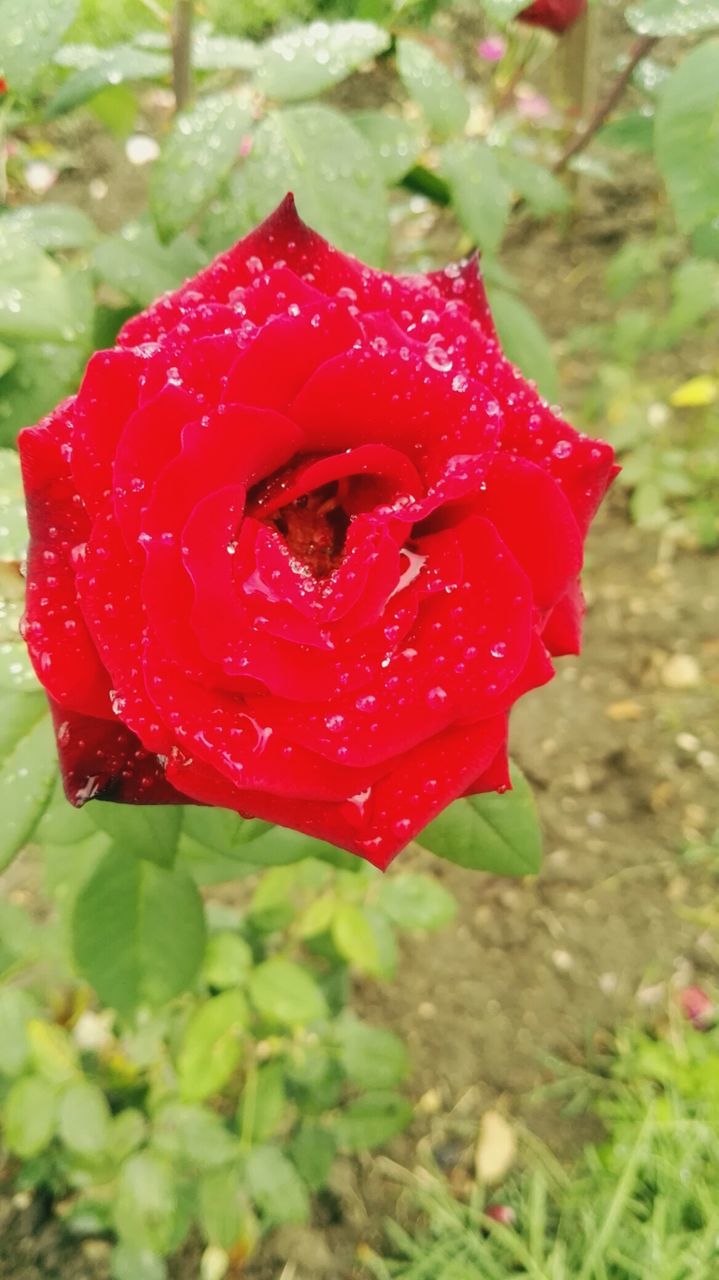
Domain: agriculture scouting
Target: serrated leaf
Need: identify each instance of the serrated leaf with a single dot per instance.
(433, 86)
(524, 341)
(490, 832)
(276, 1187)
(315, 152)
(28, 768)
(416, 901)
(673, 17)
(304, 62)
(138, 932)
(372, 1057)
(103, 67)
(685, 136)
(136, 263)
(142, 831)
(396, 142)
(196, 156)
(283, 992)
(481, 196)
(31, 31)
(212, 1045)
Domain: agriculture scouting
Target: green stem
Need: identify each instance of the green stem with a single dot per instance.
(182, 52)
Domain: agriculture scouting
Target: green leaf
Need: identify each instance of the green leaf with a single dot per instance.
(193, 1136)
(52, 1051)
(263, 1103)
(372, 1120)
(276, 1187)
(84, 1119)
(223, 831)
(433, 86)
(144, 1204)
(313, 1149)
(543, 192)
(53, 226)
(283, 992)
(502, 10)
(144, 831)
(372, 1057)
(354, 938)
(29, 1116)
(304, 62)
(396, 142)
(686, 138)
(490, 832)
(7, 359)
(635, 131)
(13, 521)
(343, 197)
(17, 1007)
(196, 156)
(212, 1045)
(225, 1215)
(524, 341)
(102, 67)
(416, 901)
(228, 960)
(223, 53)
(673, 17)
(135, 262)
(37, 299)
(42, 375)
(138, 932)
(481, 196)
(28, 768)
(31, 32)
(128, 1263)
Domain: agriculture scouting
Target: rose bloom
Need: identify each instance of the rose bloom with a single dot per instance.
(298, 544)
(554, 15)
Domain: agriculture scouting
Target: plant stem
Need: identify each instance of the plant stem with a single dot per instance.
(604, 108)
(182, 52)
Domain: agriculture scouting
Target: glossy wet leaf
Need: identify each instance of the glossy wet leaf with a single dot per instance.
(524, 340)
(141, 831)
(372, 1057)
(283, 992)
(686, 136)
(137, 264)
(433, 86)
(28, 769)
(481, 195)
(276, 1187)
(491, 832)
(198, 153)
(29, 1116)
(416, 901)
(13, 521)
(372, 1120)
(138, 932)
(84, 1118)
(42, 374)
(396, 142)
(53, 226)
(212, 1045)
(99, 68)
(304, 62)
(316, 153)
(37, 300)
(673, 17)
(223, 53)
(31, 31)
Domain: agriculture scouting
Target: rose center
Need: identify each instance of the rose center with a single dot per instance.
(315, 526)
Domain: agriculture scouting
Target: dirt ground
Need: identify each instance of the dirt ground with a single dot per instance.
(623, 751)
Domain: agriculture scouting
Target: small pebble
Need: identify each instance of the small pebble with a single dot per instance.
(681, 671)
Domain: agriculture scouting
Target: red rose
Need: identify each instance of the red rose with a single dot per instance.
(3, 86)
(555, 15)
(298, 544)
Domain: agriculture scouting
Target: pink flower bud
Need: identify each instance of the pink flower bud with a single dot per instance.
(492, 49)
(502, 1213)
(697, 1007)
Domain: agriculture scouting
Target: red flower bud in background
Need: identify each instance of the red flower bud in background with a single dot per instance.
(553, 15)
(697, 1007)
(502, 1213)
(3, 86)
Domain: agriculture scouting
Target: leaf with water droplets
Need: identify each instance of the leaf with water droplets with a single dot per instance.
(433, 86)
(223, 53)
(490, 832)
(316, 153)
(304, 62)
(396, 142)
(28, 768)
(42, 375)
(138, 932)
(480, 193)
(31, 31)
(53, 226)
(135, 263)
(196, 156)
(13, 521)
(98, 68)
(686, 145)
(524, 340)
(37, 300)
(673, 17)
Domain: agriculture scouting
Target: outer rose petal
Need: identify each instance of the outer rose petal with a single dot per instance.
(562, 632)
(103, 760)
(462, 282)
